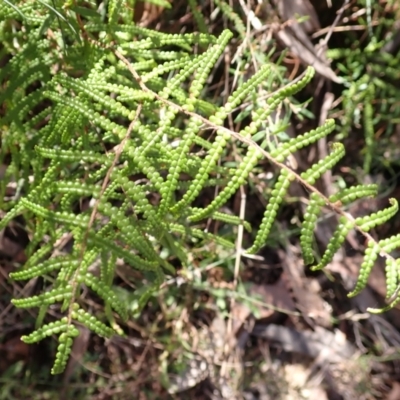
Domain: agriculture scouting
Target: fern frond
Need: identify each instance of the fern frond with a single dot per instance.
(378, 218)
(246, 166)
(371, 254)
(52, 328)
(313, 173)
(277, 194)
(61, 217)
(229, 219)
(105, 292)
(179, 158)
(335, 242)
(43, 268)
(64, 349)
(15, 211)
(348, 195)
(92, 323)
(274, 101)
(368, 116)
(297, 143)
(73, 155)
(114, 193)
(311, 215)
(220, 142)
(392, 272)
(51, 297)
(231, 14)
(137, 262)
(198, 16)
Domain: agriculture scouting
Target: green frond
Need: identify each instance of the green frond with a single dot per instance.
(206, 64)
(233, 16)
(370, 256)
(390, 244)
(271, 212)
(309, 223)
(107, 267)
(61, 217)
(114, 7)
(136, 194)
(91, 92)
(335, 242)
(198, 233)
(106, 293)
(64, 349)
(52, 328)
(368, 117)
(378, 218)
(15, 211)
(47, 298)
(92, 323)
(196, 63)
(297, 143)
(198, 16)
(180, 156)
(73, 156)
(6, 12)
(178, 161)
(229, 219)
(162, 69)
(119, 198)
(137, 262)
(295, 87)
(239, 178)
(316, 204)
(384, 309)
(236, 98)
(88, 112)
(77, 189)
(36, 259)
(45, 267)
(316, 170)
(392, 272)
(207, 165)
(261, 115)
(220, 141)
(209, 237)
(348, 195)
(129, 229)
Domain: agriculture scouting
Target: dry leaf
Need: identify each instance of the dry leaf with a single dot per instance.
(308, 300)
(321, 343)
(277, 296)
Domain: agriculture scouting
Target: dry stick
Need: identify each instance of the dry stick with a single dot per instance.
(251, 142)
(239, 241)
(118, 151)
(333, 26)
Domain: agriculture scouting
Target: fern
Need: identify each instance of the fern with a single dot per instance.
(122, 132)
(370, 72)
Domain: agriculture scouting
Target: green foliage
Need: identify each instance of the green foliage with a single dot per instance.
(113, 148)
(370, 72)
